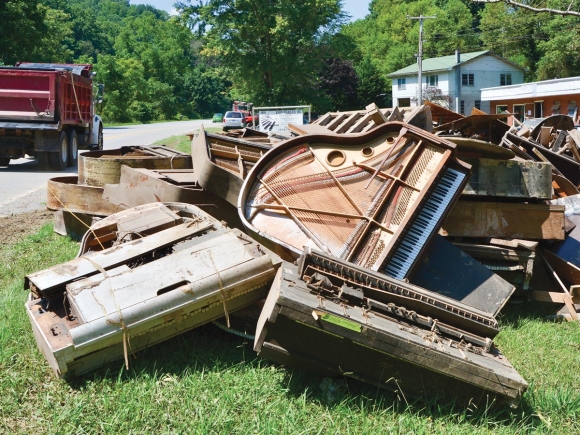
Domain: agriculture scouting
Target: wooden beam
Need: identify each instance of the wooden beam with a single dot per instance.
(376, 114)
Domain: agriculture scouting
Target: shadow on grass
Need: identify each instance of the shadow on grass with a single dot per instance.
(209, 349)
(519, 315)
(350, 392)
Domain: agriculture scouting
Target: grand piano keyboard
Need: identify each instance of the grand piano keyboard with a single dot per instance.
(423, 224)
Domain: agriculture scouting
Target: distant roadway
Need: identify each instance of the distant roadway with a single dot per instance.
(22, 179)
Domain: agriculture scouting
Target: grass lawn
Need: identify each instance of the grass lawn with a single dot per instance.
(181, 142)
(207, 381)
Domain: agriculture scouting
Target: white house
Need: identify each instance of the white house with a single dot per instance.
(460, 76)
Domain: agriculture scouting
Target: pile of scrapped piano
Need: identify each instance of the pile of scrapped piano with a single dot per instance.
(378, 244)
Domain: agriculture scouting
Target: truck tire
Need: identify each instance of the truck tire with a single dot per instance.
(4, 161)
(59, 160)
(73, 148)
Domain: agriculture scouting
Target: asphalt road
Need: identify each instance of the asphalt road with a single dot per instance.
(23, 185)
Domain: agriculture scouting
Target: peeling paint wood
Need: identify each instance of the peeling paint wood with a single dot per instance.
(505, 220)
(73, 348)
(102, 296)
(143, 186)
(509, 178)
(54, 279)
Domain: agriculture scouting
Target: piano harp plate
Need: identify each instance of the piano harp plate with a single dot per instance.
(311, 191)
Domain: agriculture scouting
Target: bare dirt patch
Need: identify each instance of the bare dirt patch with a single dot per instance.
(14, 228)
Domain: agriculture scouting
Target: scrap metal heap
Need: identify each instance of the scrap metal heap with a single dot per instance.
(384, 242)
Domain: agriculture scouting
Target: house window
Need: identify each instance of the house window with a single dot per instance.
(401, 84)
(556, 108)
(404, 102)
(462, 107)
(432, 80)
(478, 104)
(467, 79)
(572, 109)
(505, 79)
(500, 109)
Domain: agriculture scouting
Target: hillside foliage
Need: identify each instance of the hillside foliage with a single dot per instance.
(280, 52)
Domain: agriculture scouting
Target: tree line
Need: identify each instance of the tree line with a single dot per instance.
(271, 52)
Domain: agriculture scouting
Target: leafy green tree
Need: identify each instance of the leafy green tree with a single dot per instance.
(126, 93)
(372, 85)
(56, 44)
(22, 26)
(559, 50)
(513, 34)
(269, 50)
(339, 81)
(391, 40)
(207, 91)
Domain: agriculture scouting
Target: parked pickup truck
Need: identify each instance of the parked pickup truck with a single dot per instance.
(47, 112)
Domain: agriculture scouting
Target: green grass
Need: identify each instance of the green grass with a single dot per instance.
(181, 142)
(207, 381)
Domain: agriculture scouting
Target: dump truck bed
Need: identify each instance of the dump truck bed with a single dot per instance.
(40, 93)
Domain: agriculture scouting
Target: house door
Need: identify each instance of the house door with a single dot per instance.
(538, 112)
(520, 112)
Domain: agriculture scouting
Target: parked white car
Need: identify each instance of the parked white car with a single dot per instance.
(234, 120)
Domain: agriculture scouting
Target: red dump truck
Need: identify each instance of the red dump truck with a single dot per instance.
(47, 112)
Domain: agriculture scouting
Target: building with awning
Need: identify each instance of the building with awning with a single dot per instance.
(536, 99)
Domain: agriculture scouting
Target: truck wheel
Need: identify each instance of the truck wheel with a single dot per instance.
(43, 160)
(4, 161)
(73, 148)
(100, 138)
(59, 160)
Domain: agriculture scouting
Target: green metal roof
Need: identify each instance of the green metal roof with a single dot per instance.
(441, 63)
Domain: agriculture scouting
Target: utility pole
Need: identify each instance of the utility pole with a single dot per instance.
(420, 56)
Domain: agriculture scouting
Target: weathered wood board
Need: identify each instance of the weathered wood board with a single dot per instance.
(505, 220)
(143, 186)
(509, 179)
(330, 337)
(64, 193)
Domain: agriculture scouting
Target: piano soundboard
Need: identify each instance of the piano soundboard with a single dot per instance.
(373, 199)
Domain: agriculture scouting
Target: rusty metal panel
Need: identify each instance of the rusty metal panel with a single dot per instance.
(64, 193)
(97, 168)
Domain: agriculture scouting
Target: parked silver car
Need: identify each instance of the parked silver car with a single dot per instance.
(234, 120)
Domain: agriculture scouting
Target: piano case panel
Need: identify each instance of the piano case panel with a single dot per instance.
(129, 307)
(303, 329)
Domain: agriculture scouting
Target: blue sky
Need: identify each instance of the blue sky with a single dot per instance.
(356, 8)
